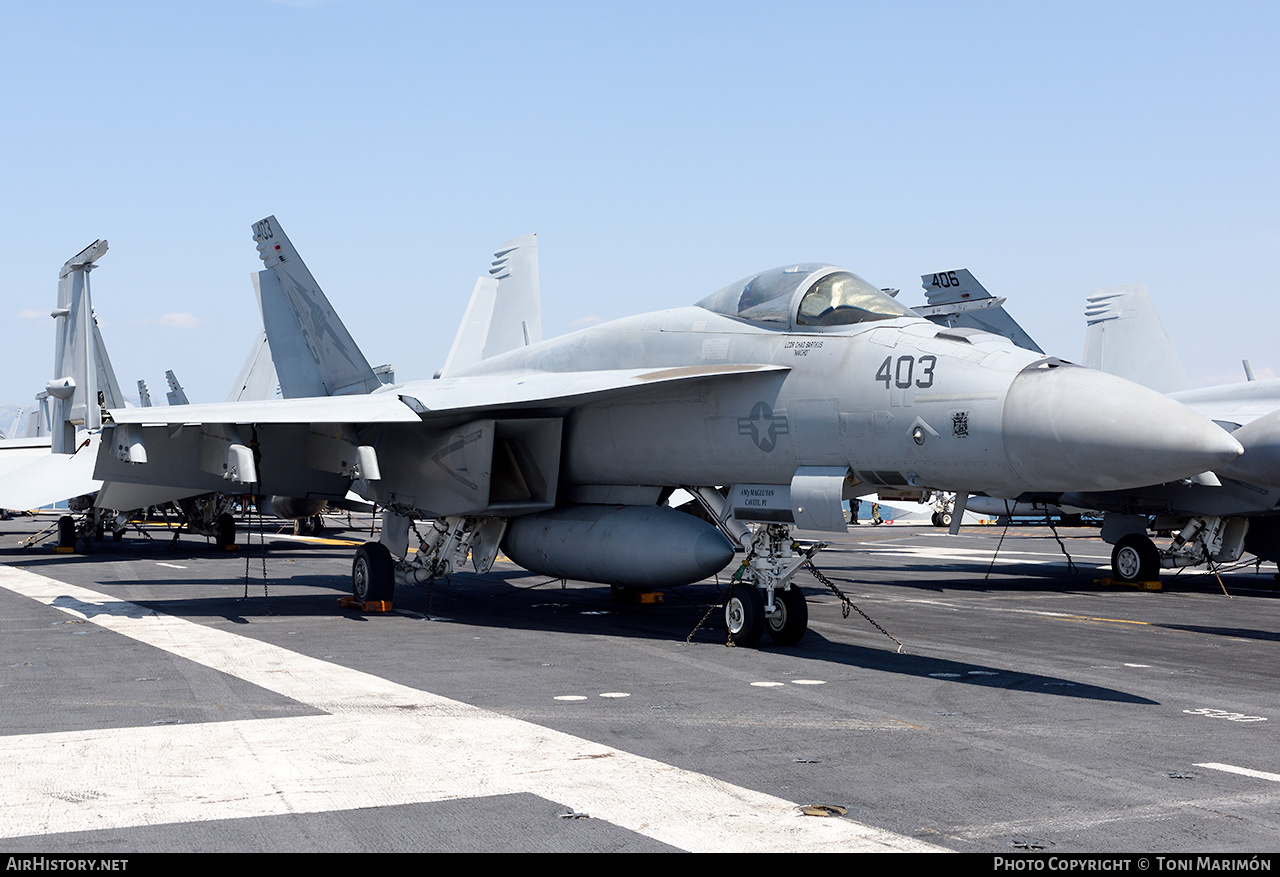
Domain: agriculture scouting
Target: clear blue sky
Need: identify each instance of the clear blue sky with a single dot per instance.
(660, 150)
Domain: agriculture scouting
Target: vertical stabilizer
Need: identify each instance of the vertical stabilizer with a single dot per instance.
(505, 311)
(107, 384)
(1126, 338)
(176, 395)
(468, 344)
(73, 392)
(957, 300)
(257, 378)
(313, 352)
(517, 313)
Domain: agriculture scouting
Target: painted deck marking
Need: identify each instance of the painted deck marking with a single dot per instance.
(1243, 771)
(430, 748)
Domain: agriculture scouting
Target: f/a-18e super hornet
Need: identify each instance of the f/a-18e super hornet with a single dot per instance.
(769, 400)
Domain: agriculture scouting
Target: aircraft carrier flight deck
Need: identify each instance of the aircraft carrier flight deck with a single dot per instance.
(162, 697)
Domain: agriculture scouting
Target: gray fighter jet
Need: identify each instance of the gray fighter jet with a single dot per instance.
(770, 400)
(1215, 516)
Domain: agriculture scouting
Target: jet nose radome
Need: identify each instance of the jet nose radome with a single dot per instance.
(1068, 428)
(1261, 461)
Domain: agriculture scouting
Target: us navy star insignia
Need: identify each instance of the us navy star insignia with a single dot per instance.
(763, 426)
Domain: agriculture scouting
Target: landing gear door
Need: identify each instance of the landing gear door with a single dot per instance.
(813, 500)
(816, 498)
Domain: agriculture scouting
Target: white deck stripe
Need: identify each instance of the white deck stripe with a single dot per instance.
(380, 744)
(1243, 771)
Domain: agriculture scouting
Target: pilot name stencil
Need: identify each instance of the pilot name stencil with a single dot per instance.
(800, 348)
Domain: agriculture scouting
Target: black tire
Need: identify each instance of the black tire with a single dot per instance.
(66, 532)
(226, 530)
(936, 519)
(373, 573)
(744, 615)
(788, 624)
(1135, 559)
(317, 525)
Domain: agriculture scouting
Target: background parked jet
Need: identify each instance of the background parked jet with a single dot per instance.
(54, 463)
(1216, 515)
(56, 459)
(789, 386)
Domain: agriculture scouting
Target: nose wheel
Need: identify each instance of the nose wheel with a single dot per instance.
(748, 620)
(744, 615)
(790, 617)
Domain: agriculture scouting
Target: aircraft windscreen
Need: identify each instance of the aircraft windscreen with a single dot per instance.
(764, 296)
(842, 299)
(838, 299)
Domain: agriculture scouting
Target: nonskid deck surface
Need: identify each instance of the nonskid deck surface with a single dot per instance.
(148, 706)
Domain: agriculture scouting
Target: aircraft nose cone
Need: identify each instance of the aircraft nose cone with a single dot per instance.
(1068, 425)
(1261, 461)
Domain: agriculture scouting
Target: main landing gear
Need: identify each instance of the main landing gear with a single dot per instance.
(442, 550)
(373, 574)
(764, 598)
(1136, 558)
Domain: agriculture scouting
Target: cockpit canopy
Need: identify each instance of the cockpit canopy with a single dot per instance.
(805, 295)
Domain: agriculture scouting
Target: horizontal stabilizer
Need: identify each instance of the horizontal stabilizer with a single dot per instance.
(118, 495)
